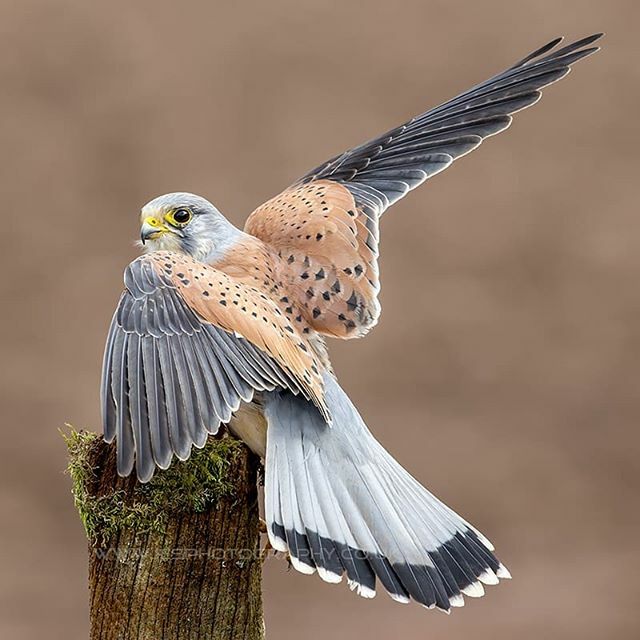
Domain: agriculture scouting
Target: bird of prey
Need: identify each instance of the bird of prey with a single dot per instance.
(218, 325)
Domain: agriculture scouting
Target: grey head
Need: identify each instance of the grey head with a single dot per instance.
(186, 223)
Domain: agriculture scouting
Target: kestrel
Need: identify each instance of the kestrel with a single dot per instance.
(222, 326)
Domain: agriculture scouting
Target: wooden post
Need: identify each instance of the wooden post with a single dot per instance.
(177, 558)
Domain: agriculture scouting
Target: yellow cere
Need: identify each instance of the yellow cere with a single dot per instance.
(153, 222)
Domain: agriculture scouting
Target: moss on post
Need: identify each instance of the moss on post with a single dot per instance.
(177, 557)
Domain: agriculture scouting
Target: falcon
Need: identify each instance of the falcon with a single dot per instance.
(222, 326)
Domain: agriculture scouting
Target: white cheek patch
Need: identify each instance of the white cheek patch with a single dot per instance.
(164, 242)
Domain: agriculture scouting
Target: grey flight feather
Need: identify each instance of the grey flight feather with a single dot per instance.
(383, 170)
(339, 503)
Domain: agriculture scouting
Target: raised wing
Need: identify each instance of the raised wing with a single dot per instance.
(187, 345)
(327, 222)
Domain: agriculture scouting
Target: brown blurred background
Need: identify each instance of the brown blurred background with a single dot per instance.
(511, 390)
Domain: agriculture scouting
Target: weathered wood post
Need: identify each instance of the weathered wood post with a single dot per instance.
(178, 557)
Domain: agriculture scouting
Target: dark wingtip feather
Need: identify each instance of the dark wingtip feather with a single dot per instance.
(539, 52)
(538, 55)
(579, 44)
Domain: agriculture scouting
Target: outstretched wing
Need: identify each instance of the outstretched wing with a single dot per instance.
(326, 225)
(187, 345)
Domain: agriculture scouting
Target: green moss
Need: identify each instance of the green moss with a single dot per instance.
(194, 485)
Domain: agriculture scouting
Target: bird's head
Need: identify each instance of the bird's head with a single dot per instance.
(185, 223)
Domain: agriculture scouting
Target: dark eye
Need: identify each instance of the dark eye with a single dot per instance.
(182, 216)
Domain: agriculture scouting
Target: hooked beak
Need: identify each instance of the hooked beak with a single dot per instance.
(152, 228)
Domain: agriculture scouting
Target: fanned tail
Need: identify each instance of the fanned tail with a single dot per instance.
(339, 503)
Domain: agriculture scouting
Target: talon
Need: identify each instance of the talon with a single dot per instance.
(262, 525)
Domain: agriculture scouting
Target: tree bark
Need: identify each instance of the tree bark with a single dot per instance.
(177, 558)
